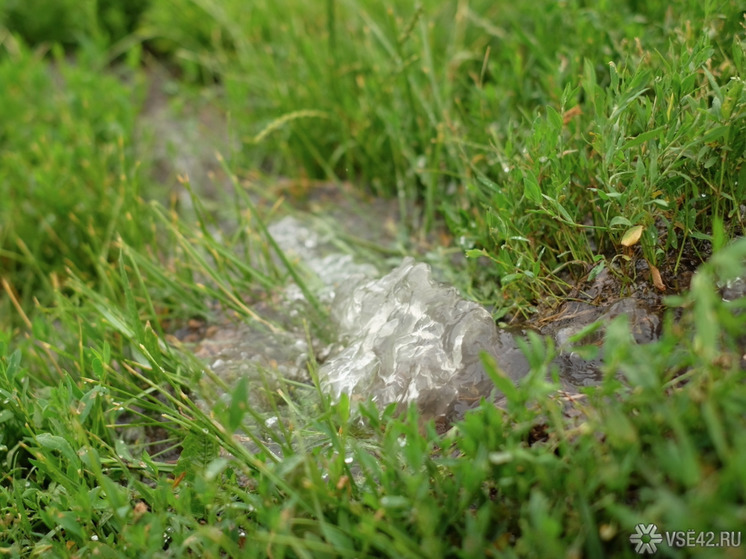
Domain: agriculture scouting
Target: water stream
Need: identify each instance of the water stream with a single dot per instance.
(399, 336)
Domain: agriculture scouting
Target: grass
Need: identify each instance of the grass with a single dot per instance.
(626, 123)
(544, 159)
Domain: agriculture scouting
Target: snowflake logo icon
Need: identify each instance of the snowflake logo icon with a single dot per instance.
(646, 538)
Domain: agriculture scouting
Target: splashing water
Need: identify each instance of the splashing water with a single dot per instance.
(410, 339)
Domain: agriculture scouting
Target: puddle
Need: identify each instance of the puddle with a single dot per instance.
(733, 289)
(600, 300)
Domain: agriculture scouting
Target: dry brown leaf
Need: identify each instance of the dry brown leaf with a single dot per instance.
(657, 280)
(569, 114)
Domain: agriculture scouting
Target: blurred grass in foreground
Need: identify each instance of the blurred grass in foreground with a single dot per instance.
(546, 135)
(657, 441)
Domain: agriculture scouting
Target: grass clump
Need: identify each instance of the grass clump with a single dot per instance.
(69, 23)
(655, 443)
(542, 155)
(69, 179)
(543, 158)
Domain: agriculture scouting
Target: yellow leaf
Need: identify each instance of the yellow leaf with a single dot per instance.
(632, 235)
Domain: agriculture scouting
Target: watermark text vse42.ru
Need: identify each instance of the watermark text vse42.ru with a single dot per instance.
(646, 539)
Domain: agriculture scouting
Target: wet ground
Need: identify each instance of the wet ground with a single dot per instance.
(400, 336)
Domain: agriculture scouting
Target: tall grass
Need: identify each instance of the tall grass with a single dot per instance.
(542, 133)
(69, 179)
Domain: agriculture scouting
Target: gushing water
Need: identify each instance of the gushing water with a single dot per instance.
(410, 339)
